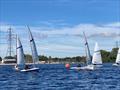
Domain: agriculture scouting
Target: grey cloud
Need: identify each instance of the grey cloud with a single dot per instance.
(112, 35)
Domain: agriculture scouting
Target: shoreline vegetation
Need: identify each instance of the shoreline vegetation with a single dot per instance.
(107, 56)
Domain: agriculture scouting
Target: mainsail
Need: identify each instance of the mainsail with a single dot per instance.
(20, 53)
(97, 59)
(88, 55)
(33, 48)
(118, 57)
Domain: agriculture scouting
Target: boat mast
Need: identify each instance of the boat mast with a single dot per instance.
(88, 55)
(33, 48)
(16, 46)
(31, 40)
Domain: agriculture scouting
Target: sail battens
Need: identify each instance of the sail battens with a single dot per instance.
(19, 47)
(86, 43)
(31, 40)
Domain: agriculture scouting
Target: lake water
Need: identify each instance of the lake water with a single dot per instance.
(56, 77)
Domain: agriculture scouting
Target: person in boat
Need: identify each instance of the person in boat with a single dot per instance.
(118, 63)
(27, 67)
(78, 65)
(16, 67)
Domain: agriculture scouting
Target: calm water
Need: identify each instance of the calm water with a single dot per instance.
(56, 77)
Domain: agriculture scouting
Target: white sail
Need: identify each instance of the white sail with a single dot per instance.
(97, 59)
(20, 53)
(33, 48)
(118, 56)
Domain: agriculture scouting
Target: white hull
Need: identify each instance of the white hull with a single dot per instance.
(75, 68)
(115, 64)
(29, 70)
(88, 67)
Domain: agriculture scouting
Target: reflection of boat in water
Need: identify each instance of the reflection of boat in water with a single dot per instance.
(117, 62)
(21, 66)
(96, 61)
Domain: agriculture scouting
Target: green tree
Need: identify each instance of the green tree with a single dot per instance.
(28, 58)
(105, 56)
(43, 58)
(113, 54)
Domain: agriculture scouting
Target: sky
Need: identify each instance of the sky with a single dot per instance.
(58, 25)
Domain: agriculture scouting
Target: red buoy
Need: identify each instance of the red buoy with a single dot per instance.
(67, 66)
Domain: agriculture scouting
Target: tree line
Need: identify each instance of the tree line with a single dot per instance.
(107, 56)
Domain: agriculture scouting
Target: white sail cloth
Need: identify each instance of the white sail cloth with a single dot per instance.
(118, 57)
(33, 48)
(20, 53)
(97, 59)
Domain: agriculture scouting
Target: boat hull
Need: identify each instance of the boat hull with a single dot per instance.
(115, 64)
(88, 67)
(30, 70)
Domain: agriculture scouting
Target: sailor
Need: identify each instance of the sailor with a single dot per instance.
(78, 65)
(16, 67)
(27, 67)
(117, 63)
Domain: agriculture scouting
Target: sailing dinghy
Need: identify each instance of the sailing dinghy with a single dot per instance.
(88, 55)
(33, 50)
(21, 66)
(117, 62)
(96, 60)
(20, 56)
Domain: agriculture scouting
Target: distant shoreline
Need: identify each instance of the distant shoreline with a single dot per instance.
(3, 64)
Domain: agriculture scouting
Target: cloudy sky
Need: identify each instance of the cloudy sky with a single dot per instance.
(58, 25)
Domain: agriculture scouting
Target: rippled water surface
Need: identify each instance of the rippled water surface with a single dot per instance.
(56, 77)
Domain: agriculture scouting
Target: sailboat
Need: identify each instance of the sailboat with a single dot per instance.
(96, 60)
(33, 50)
(20, 56)
(88, 55)
(87, 50)
(117, 62)
(21, 59)
(21, 66)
